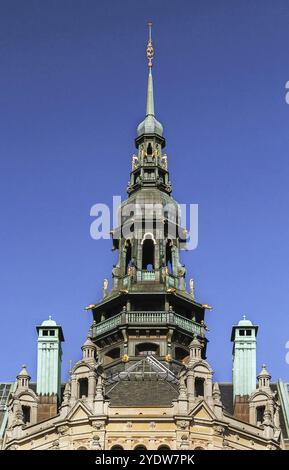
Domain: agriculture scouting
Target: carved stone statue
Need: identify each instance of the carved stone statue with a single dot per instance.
(105, 287)
(192, 288)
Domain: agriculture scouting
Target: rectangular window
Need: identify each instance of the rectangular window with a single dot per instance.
(248, 332)
(52, 333)
(45, 333)
(242, 332)
(26, 414)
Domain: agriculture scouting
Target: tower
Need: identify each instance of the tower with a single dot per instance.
(49, 353)
(244, 357)
(148, 311)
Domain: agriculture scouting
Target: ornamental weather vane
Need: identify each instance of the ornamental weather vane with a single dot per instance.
(150, 50)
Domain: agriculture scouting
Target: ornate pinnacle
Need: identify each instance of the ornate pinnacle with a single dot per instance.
(150, 50)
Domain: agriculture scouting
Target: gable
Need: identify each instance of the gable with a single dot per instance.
(79, 412)
(203, 411)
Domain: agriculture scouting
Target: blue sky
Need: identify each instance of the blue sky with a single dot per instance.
(72, 91)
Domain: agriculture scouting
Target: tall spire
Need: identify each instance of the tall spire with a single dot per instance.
(150, 125)
(150, 92)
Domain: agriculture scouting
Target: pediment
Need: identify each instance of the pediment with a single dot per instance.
(203, 411)
(79, 412)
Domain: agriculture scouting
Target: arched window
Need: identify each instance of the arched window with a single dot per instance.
(127, 256)
(199, 448)
(83, 387)
(148, 254)
(181, 354)
(164, 447)
(81, 448)
(147, 349)
(116, 447)
(169, 256)
(199, 387)
(26, 414)
(149, 149)
(140, 447)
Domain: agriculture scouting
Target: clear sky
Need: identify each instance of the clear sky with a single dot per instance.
(72, 91)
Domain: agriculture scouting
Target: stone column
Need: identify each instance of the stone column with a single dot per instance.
(91, 385)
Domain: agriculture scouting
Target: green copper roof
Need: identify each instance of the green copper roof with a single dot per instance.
(150, 125)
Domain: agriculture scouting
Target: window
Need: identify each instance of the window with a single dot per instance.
(116, 447)
(147, 349)
(164, 447)
(248, 332)
(149, 149)
(148, 254)
(45, 333)
(140, 447)
(260, 415)
(242, 332)
(26, 414)
(199, 387)
(83, 387)
(169, 256)
(127, 256)
(52, 333)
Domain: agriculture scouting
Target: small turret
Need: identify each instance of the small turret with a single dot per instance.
(264, 379)
(23, 379)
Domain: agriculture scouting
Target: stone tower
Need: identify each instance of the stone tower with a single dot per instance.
(244, 357)
(49, 353)
(148, 310)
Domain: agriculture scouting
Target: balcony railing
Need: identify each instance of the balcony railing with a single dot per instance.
(146, 275)
(107, 325)
(148, 318)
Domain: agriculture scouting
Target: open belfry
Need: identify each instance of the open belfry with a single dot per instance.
(144, 380)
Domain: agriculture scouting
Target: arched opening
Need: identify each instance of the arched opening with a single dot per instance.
(26, 414)
(164, 447)
(111, 355)
(147, 349)
(199, 448)
(199, 387)
(83, 387)
(140, 447)
(181, 354)
(127, 256)
(116, 447)
(148, 254)
(149, 149)
(260, 415)
(81, 448)
(169, 256)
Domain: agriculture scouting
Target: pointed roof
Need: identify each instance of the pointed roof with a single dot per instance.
(150, 125)
(264, 372)
(23, 373)
(88, 343)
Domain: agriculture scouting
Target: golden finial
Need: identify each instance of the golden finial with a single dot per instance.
(150, 50)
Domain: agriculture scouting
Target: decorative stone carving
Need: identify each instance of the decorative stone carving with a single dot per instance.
(63, 430)
(219, 430)
(97, 425)
(95, 444)
(183, 424)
